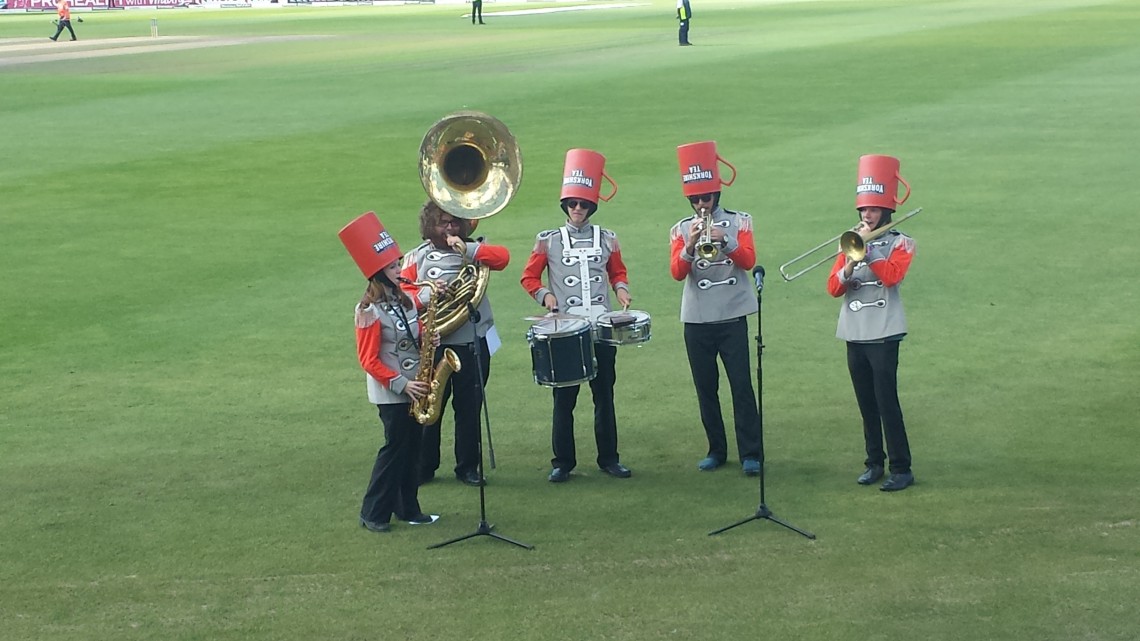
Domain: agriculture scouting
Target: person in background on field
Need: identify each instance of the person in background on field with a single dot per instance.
(684, 14)
(439, 259)
(715, 304)
(582, 262)
(387, 333)
(63, 8)
(477, 10)
(873, 323)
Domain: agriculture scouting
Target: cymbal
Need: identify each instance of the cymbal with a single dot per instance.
(555, 316)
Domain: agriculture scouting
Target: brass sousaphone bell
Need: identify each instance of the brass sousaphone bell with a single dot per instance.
(470, 164)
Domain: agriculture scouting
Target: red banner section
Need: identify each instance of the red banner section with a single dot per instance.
(49, 5)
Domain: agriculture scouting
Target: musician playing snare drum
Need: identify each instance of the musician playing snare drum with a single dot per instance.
(712, 252)
(582, 262)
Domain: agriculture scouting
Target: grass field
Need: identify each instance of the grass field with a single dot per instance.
(184, 433)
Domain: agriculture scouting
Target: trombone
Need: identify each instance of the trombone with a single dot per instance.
(851, 244)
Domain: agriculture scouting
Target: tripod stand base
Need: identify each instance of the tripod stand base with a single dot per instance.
(763, 512)
(484, 529)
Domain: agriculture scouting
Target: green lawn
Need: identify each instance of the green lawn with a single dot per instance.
(184, 432)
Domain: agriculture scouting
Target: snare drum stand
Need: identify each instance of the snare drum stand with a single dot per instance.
(762, 512)
(484, 528)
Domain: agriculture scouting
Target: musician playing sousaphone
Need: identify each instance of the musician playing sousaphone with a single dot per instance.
(447, 249)
(582, 261)
(872, 320)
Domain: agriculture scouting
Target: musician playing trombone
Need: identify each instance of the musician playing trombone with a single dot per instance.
(582, 261)
(873, 323)
(711, 253)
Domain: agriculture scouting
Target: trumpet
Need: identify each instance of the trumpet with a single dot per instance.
(706, 248)
(851, 244)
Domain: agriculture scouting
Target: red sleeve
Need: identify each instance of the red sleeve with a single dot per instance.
(494, 256)
(745, 255)
(678, 266)
(892, 270)
(532, 274)
(834, 287)
(368, 351)
(616, 270)
(412, 273)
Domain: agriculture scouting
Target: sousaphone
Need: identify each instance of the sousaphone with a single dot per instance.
(470, 165)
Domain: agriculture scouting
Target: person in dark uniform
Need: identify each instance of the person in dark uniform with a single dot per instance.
(477, 9)
(582, 262)
(716, 301)
(873, 323)
(684, 15)
(387, 330)
(447, 247)
(63, 9)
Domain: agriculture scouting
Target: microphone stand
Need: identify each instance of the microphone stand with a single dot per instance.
(484, 528)
(762, 512)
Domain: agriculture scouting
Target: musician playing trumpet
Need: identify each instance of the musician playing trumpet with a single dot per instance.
(387, 332)
(446, 249)
(873, 323)
(717, 298)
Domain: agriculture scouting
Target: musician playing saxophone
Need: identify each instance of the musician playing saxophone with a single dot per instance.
(387, 330)
(446, 249)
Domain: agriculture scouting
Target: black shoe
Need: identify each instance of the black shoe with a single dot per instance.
(74, 39)
(51, 38)
(471, 477)
(617, 469)
(898, 481)
(423, 519)
(870, 475)
(559, 475)
(427, 477)
(375, 527)
(686, 44)
(481, 22)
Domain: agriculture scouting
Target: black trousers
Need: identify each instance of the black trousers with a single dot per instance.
(605, 418)
(394, 484)
(465, 391)
(63, 24)
(476, 8)
(704, 342)
(874, 375)
(683, 33)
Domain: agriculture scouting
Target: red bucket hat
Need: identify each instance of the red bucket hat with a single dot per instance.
(700, 172)
(878, 184)
(582, 176)
(369, 244)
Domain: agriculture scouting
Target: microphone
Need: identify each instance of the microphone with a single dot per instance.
(758, 278)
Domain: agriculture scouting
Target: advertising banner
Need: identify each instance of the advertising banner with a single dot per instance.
(49, 5)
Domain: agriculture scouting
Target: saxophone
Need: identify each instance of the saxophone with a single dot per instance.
(427, 410)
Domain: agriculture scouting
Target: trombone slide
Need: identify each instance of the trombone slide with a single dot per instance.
(853, 245)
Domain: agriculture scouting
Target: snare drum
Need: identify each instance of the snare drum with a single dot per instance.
(562, 352)
(629, 327)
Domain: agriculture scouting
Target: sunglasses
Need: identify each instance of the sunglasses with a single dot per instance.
(700, 198)
(571, 203)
